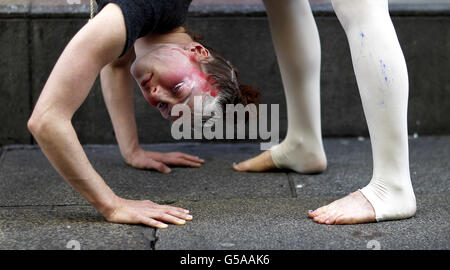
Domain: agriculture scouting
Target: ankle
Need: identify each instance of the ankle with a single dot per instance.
(300, 156)
(391, 200)
(317, 163)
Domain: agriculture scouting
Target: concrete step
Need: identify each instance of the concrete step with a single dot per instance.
(32, 37)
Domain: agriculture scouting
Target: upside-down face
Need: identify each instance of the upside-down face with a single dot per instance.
(170, 74)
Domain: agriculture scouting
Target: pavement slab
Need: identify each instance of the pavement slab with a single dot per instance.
(231, 210)
(69, 227)
(282, 224)
(27, 178)
(350, 167)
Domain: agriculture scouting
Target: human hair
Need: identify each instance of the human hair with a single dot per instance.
(225, 78)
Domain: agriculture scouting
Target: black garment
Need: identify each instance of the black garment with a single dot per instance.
(147, 16)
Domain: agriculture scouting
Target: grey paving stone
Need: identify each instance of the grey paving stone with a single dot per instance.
(62, 228)
(282, 224)
(231, 210)
(429, 159)
(27, 178)
(350, 167)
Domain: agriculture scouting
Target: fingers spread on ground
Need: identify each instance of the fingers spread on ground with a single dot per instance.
(150, 203)
(152, 223)
(181, 162)
(179, 214)
(189, 157)
(188, 163)
(159, 166)
(176, 211)
(169, 207)
(168, 218)
(174, 208)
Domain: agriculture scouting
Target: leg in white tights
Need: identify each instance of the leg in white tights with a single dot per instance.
(297, 45)
(382, 79)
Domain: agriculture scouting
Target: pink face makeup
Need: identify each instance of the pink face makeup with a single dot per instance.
(170, 75)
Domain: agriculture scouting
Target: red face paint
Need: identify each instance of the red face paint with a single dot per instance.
(208, 85)
(151, 101)
(171, 67)
(192, 59)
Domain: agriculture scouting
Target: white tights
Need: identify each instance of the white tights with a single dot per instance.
(382, 79)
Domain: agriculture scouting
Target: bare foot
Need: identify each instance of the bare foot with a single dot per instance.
(352, 209)
(260, 163)
(298, 160)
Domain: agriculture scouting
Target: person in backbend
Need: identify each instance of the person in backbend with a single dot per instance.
(144, 40)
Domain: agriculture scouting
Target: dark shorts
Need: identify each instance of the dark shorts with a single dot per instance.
(148, 16)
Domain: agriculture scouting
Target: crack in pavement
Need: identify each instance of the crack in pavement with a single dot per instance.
(150, 235)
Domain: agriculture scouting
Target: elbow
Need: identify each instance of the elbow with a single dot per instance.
(43, 125)
(35, 124)
(38, 125)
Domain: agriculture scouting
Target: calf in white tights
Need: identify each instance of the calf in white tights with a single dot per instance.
(382, 79)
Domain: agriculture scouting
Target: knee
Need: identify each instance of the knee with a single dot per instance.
(347, 7)
(356, 12)
(345, 10)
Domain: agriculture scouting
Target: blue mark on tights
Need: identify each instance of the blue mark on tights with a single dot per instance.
(383, 71)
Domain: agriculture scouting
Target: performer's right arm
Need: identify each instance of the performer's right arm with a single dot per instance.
(98, 43)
